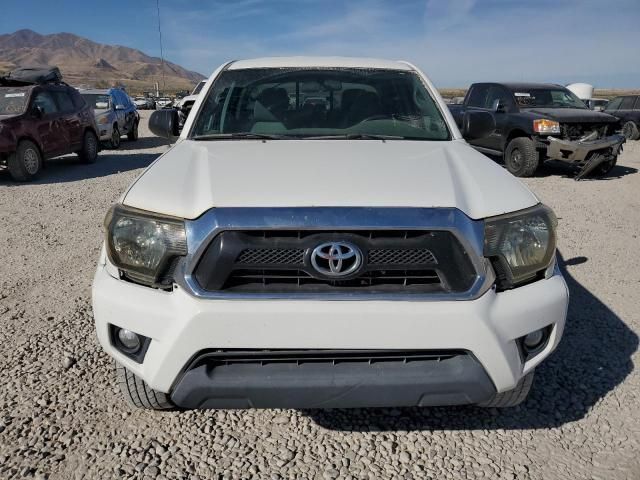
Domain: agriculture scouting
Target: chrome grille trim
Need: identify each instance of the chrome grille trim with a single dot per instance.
(202, 230)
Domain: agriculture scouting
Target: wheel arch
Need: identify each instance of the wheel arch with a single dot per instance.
(513, 133)
(22, 138)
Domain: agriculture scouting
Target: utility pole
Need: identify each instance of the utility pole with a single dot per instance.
(164, 87)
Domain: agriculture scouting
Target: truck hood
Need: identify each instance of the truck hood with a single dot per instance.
(573, 115)
(195, 176)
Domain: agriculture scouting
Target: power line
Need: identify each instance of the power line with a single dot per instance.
(161, 51)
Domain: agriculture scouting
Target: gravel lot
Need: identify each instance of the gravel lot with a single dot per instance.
(62, 417)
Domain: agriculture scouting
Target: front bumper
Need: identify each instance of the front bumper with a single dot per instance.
(182, 326)
(586, 154)
(330, 379)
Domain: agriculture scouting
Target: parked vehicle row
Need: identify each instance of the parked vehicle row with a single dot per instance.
(145, 103)
(627, 109)
(535, 123)
(115, 114)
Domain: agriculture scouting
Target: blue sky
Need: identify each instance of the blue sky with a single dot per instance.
(455, 42)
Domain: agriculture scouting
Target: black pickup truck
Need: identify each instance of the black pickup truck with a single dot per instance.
(537, 122)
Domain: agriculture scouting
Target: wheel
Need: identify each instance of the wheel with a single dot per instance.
(138, 393)
(630, 131)
(89, 152)
(605, 167)
(133, 134)
(521, 157)
(114, 143)
(26, 163)
(513, 397)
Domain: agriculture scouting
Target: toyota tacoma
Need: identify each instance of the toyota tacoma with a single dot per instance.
(319, 236)
(536, 122)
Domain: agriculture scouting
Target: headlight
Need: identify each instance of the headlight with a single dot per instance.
(142, 244)
(521, 245)
(103, 120)
(546, 126)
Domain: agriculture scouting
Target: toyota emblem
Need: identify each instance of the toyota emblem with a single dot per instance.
(336, 259)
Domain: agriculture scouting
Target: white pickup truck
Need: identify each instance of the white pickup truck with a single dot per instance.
(320, 235)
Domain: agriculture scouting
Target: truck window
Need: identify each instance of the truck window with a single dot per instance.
(498, 93)
(627, 103)
(478, 96)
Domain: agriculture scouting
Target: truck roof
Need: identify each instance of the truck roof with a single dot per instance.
(319, 62)
(526, 85)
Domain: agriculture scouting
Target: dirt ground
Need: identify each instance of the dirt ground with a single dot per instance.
(62, 416)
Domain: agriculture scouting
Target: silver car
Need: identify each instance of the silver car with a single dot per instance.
(115, 114)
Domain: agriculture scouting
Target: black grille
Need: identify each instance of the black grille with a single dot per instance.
(275, 261)
(400, 256)
(274, 279)
(575, 131)
(272, 256)
(335, 357)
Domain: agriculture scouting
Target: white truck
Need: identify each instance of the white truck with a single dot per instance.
(354, 252)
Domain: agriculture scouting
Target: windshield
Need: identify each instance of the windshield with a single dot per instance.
(320, 103)
(547, 98)
(13, 101)
(97, 101)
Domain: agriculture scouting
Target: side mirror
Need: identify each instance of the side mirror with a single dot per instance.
(164, 123)
(476, 125)
(498, 106)
(37, 111)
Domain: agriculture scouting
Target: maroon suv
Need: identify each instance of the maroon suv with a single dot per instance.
(41, 121)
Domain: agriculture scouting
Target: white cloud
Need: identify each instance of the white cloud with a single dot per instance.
(456, 42)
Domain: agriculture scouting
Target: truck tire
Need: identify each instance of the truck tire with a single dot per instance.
(513, 397)
(630, 131)
(133, 134)
(89, 151)
(139, 394)
(521, 157)
(26, 164)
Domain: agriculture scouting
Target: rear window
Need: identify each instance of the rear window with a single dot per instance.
(13, 101)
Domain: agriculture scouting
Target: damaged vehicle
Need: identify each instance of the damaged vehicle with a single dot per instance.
(537, 122)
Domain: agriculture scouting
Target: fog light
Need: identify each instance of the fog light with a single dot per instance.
(129, 339)
(534, 339)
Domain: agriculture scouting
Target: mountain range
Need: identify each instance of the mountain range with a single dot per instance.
(87, 63)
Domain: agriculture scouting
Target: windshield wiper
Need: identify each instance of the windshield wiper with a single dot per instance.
(239, 135)
(356, 136)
